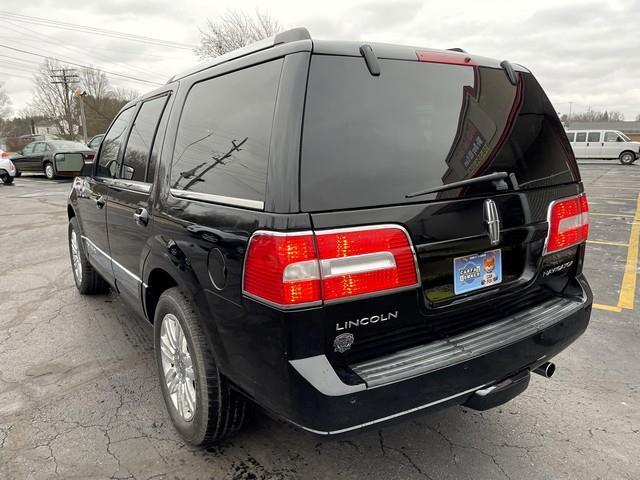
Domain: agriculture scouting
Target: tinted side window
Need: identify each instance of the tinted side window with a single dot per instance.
(40, 148)
(581, 137)
(136, 154)
(108, 161)
(610, 137)
(593, 137)
(571, 136)
(28, 149)
(157, 145)
(222, 145)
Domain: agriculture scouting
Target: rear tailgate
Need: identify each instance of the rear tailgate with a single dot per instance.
(369, 141)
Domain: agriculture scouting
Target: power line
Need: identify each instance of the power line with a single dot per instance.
(95, 31)
(79, 65)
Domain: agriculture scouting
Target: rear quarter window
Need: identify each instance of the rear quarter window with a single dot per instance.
(368, 141)
(222, 144)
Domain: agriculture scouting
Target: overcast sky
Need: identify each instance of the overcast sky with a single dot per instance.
(585, 53)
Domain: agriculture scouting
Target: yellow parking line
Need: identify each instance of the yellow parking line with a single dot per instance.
(613, 244)
(607, 307)
(628, 288)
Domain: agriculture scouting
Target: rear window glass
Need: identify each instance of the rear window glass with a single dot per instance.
(571, 136)
(222, 146)
(369, 140)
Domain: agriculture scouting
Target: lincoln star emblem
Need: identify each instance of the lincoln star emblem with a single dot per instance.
(492, 221)
(343, 342)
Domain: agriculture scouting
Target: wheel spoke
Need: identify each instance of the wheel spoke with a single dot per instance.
(190, 392)
(167, 350)
(171, 377)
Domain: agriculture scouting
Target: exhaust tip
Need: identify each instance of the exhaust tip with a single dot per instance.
(547, 369)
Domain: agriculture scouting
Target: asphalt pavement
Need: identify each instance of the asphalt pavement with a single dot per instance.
(79, 395)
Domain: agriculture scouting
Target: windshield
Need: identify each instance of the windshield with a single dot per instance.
(369, 140)
(624, 137)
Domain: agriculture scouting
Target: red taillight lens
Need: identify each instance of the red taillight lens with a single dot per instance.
(282, 269)
(360, 261)
(308, 268)
(568, 223)
(4, 155)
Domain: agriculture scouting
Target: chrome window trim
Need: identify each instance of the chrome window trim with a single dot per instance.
(218, 199)
(115, 262)
(388, 417)
(131, 185)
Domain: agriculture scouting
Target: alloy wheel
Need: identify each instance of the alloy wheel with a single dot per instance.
(177, 367)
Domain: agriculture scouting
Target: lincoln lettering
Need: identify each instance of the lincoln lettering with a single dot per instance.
(361, 322)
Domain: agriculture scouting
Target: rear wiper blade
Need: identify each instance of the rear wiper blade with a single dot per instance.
(492, 177)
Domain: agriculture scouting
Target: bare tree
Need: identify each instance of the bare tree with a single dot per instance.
(597, 116)
(5, 103)
(235, 29)
(55, 100)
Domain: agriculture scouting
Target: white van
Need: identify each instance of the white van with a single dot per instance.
(604, 144)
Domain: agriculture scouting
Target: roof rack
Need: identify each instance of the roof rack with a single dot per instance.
(457, 49)
(287, 36)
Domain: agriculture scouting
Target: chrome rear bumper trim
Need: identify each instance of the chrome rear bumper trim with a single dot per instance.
(424, 359)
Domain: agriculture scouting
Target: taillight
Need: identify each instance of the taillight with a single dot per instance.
(282, 269)
(293, 270)
(568, 223)
(4, 155)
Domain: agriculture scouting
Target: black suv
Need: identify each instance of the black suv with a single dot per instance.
(341, 233)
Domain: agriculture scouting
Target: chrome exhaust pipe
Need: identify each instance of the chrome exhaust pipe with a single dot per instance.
(547, 369)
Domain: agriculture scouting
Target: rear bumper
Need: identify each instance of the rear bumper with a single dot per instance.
(432, 376)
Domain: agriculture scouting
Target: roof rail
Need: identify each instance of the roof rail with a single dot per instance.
(287, 36)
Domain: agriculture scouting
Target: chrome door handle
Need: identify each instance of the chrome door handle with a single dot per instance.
(100, 203)
(141, 217)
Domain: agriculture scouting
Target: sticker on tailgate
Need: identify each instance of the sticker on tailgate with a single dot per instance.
(477, 271)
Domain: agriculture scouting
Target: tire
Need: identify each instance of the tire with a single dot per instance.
(211, 410)
(49, 172)
(627, 157)
(88, 281)
(7, 179)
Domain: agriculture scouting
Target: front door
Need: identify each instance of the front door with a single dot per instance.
(611, 145)
(594, 146)
(22, 160)
(93, 198)
(129, 215)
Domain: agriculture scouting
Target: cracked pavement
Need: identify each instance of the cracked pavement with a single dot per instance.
(79, 397)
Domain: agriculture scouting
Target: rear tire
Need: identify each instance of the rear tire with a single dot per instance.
(88, 281)
(627, 158)
(202, 405)
(7, 179)
(49, 171)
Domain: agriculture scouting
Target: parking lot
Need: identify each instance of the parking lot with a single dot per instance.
(79, 396)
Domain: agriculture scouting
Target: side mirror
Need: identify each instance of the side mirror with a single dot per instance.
(69, 162)
(619, 139)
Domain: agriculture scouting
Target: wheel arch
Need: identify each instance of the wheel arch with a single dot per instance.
(159, 280)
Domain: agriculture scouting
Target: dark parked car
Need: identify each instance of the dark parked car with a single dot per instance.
(418, 244)
(50, 157)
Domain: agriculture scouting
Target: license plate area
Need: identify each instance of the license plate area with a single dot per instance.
(477, 271)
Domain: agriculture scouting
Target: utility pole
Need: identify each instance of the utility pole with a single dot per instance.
(81, 94)
(570, 108)
(66, 77)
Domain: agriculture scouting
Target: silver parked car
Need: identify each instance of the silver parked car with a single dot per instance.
(7, 168)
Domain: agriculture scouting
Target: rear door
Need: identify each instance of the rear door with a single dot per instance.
(580, 145)
(371, 141)
(594, 145)
(35, 160)
(129, 213)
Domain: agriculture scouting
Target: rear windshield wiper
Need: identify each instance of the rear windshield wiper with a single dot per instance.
(497, 177)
